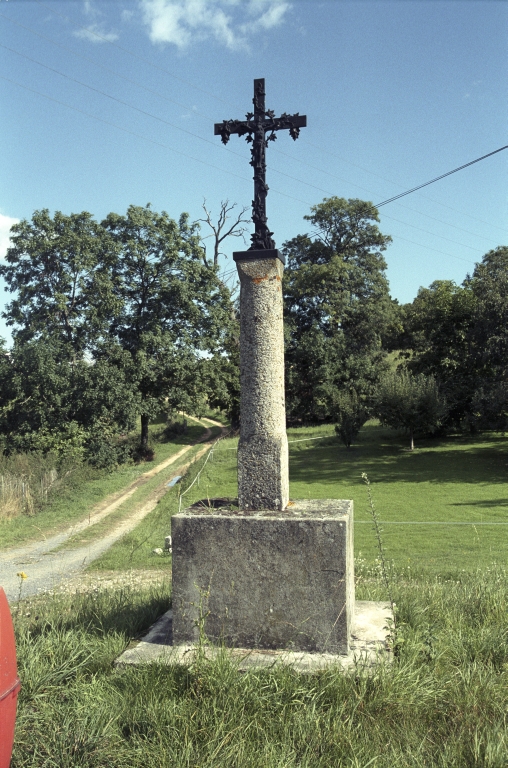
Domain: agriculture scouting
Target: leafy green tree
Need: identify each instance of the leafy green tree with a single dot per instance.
(489, 285)
(458, 334)
(352, 413)
(412, 403)
(59, 269)
(50, 402)
(111, 321)
(170, 310)
(337, 307)
(439, 334)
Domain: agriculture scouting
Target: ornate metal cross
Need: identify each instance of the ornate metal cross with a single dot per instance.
(256, 126)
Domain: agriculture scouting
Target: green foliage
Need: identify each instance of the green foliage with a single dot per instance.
(337, 307)
(489, 285)
(171, 310)
(111, 321)
(58, 268)
(440, 323)
(352, 413)
(222, 374)
(410, 402)
(458, 334)
(52, 403)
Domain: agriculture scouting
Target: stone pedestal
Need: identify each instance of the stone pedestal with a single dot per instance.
(266, 579)
(263, 480)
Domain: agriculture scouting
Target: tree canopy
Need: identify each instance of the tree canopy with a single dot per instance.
(128, 303)
(411, 403)
(337, 307)
(170, 308)
(59, 268)
(459, 335)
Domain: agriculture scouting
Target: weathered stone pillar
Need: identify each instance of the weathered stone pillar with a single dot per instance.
(263, 480)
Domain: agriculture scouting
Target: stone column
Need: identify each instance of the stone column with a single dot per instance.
(263, 480)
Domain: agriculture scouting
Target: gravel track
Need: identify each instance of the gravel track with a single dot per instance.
(47, 569)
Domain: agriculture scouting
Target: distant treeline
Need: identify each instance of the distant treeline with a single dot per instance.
(115, 321)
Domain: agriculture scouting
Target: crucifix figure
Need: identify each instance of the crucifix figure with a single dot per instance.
(263, 476)
(256, 125)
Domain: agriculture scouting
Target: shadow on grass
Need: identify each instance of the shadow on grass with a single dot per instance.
(384, 456)
(481, 503)
(191, 435)
(101, 613)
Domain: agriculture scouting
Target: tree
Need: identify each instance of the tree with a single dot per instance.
(352, 413)
(408, 402)
(439, 327)
(112, 320)
(458, 334)
(50, 402)
(337, 307)
(221, 229)
(170, 311)
(489, 285)
(59, 268)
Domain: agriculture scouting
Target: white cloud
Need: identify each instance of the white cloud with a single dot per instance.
(229, 22)
(89, 9)
(6, 223)
(95, 33)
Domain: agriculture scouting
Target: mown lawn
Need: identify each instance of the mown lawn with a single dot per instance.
(443, 507)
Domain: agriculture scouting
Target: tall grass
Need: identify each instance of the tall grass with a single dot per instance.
(27, 481)
(77, 489)
(442, 702)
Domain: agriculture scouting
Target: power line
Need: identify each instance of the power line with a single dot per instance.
(146, 138)
(213, 143)
(155, 117)
(450, 255)
(114, 98)
(420, 213)
(438, 178)
(131, 53)
(190, 157)
(431, 199)
(102, 66)
(186, 82)
(202, 138)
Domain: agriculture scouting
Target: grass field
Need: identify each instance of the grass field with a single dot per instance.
(441, 703)
(443, 507)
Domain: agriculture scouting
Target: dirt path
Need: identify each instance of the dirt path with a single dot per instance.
(48, 568)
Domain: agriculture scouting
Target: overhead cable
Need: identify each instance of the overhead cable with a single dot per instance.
(460, 168)
(132, 53)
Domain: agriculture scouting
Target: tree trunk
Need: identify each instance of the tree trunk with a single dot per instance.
(411, 440)
(144, 431)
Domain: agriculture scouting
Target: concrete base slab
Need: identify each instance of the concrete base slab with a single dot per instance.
(368, 646)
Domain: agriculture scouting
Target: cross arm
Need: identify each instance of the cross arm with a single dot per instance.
(293, 122)
(226, 128)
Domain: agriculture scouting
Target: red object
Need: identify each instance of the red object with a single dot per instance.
(9, 682)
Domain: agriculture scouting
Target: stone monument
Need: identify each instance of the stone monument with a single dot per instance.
(269, 573)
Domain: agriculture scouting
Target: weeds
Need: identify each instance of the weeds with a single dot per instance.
(442, 703)
(382, 559)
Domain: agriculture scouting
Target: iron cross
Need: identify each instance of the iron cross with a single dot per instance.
(256, 126)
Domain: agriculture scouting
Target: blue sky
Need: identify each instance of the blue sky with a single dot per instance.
(395, 93)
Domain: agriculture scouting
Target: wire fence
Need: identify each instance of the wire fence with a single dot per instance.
(198, 475)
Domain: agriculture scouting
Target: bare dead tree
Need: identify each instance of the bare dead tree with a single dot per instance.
(223, 228)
